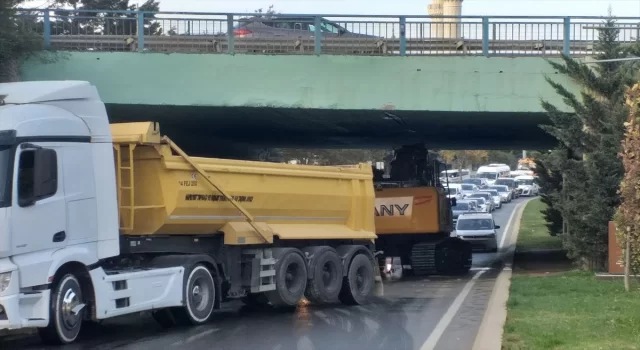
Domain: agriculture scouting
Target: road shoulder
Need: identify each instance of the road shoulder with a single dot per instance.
(489, 336)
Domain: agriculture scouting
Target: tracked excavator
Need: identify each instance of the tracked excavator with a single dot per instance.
(414, 219)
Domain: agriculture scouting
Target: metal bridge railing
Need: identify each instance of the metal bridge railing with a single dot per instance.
(94, 30)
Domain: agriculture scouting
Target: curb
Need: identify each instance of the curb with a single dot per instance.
(490, 333)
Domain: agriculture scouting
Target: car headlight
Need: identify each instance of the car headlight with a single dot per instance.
(5, 280)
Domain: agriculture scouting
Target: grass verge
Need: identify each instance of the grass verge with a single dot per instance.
(534, 234)
(572, 310)
(566, 310)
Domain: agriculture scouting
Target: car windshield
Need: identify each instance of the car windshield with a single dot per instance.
(472, 181)
(500, 188)
(492, 192)
(461, 206)
(475, 224)
(467, 187)
(490, 176)
(505, 182)
(5, 157)
(480, 201)
(329, 27)
(453, 190)
(481, 195)
(525, 182)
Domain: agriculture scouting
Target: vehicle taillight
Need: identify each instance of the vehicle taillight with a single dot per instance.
(241, 32)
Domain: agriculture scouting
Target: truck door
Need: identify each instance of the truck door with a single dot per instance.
(38, 212)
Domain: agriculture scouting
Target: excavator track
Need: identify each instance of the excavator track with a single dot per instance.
(447, 256)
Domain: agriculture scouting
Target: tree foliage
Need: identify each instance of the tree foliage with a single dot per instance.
(326, 156)
(16, 40)
(551, 187)
(589, 139)
(628, 213)
(469, 159)
(78, 22)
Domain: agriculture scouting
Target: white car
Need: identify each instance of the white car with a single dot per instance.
(455, 192)
(528, 185)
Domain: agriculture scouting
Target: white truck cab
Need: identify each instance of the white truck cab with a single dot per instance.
(59, 214)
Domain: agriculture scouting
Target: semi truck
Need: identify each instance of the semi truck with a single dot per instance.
(101, 220)
(414, 220)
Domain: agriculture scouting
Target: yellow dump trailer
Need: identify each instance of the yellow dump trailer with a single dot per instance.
(269, 228)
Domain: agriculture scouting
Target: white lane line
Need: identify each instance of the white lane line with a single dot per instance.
(448, 316)
(446, 319)
(505, 232)
(196, 337)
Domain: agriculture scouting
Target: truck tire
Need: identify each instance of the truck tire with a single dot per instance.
(64, 324)
(199, 297)
(357, 285)
(326, 280)
(291, 279)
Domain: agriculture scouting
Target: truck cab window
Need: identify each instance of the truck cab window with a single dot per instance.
(37, 175)
(25, 175)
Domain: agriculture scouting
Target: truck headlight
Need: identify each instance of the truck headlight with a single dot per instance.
(5, 280)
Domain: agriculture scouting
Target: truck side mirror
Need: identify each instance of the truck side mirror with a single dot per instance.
(45, 173)
(497, 227)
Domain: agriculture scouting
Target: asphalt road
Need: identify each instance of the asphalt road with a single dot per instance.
(414, 313)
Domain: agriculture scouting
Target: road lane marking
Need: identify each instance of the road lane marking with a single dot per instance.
(505, 232)
(453, 309)
(451, 312)
(196, 336)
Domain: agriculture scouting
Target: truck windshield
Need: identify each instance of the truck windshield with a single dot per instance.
(5, 157)
(489, 176)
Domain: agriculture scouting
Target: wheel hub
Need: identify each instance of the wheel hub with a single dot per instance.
(70, 318)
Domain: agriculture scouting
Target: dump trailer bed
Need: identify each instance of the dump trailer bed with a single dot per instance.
(164, 192)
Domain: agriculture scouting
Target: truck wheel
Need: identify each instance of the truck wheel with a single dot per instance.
(199, 297)
(326, 281)
(357, 286)
(65, 314)
(291, 279)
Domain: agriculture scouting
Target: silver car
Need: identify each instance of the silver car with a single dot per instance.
(479, 229)
(468, 189)
(504, 192)
(487, 197)
(290, 27)
(495, 197)
(483, 205)
(461, 207)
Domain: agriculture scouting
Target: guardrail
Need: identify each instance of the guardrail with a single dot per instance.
(320, 34)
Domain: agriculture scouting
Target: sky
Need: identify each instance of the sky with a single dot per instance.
(404, 7)
(413, 7)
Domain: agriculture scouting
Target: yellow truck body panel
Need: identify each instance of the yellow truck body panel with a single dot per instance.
(161, 193)
(410, 210)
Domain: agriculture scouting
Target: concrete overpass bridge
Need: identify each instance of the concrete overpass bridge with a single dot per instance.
(320, 81)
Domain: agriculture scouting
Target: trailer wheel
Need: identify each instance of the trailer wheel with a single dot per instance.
(326, 281)
(199, 297)
(66, 312)
(291, 279)
(357, 286)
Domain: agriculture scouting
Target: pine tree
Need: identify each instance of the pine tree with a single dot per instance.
(550, 189)
(591, 137)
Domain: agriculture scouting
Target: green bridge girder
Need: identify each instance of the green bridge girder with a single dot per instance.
(254, 101)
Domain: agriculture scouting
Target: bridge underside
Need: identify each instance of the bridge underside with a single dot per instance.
(217, 101)
(230, 130)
